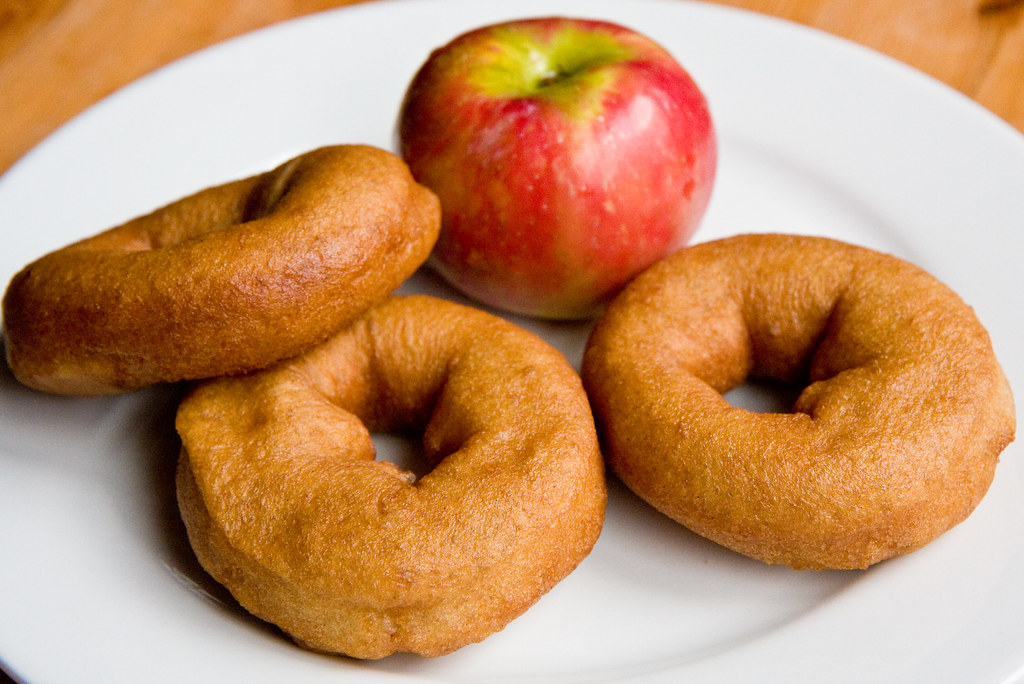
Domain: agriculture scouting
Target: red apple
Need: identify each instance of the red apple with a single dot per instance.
(568, 155)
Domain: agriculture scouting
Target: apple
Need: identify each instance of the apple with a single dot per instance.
(569, 154)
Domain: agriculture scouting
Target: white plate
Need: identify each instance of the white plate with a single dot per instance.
(97, 583)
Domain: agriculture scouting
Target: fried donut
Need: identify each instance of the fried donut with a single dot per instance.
(285, 505)
(228, 280)
(893, 441)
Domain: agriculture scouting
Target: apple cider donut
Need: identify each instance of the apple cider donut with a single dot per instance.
(286, 506)
(230, 279)
(893, 441)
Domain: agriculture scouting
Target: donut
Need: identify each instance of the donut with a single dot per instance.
(225, 281)
(286, 506)
(893, 439)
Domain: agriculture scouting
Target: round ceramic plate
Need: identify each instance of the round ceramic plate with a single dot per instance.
(97, 581)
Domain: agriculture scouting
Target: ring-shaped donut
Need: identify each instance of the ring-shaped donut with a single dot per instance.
(894, 440)
(287, 507)
(230, 279)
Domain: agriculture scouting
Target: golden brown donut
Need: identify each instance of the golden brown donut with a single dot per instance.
(894, 440)
(227, 280)
(286, 506)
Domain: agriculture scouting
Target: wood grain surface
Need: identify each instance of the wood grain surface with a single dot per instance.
(57, 57)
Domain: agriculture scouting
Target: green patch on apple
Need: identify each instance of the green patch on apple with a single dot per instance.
(559, 68)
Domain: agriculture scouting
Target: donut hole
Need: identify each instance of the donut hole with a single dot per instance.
(403, 449)
(763, 395)
(397, 411)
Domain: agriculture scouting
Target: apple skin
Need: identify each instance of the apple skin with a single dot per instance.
(569, 155)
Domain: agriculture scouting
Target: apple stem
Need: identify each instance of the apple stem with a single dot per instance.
(549, 77)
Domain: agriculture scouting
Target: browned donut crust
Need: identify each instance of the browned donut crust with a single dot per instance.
(894, 440)
(227, 280)
(286, 506)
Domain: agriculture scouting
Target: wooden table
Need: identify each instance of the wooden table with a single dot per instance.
(59, 56)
